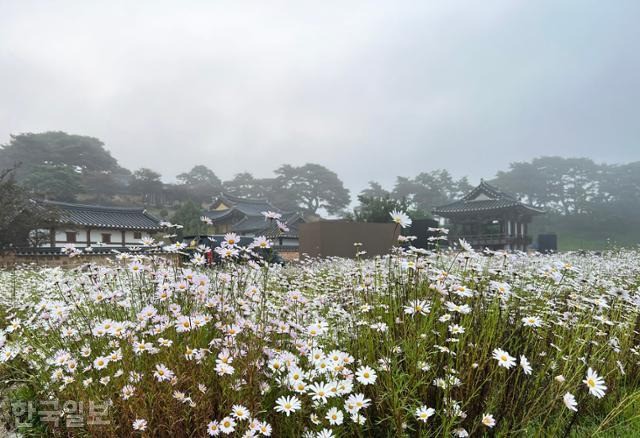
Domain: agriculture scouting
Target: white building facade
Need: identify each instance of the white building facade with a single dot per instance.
(92, 225)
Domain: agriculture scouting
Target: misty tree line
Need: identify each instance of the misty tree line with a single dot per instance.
(75, 168)
(564, 186)
(579, 194)
(587, 203)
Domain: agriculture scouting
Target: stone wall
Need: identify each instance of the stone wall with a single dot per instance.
(11, 259)
(289, 256)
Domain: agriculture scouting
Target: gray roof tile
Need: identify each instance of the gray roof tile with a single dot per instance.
(105, 217)
(493, 199)
(252, 218)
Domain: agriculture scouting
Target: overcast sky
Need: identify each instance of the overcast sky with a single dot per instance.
(370, 89)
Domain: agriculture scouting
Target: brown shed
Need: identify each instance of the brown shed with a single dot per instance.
(337, 238)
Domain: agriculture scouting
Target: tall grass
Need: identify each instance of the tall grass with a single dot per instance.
(255, 332)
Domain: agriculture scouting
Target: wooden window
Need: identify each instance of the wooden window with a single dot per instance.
(137, 235)
(71, 236)
(106, 237)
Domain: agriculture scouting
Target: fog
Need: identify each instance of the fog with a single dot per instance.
(368, 89)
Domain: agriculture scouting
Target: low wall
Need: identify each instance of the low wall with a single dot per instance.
(289, 255)
(11, 259)
(337, 238)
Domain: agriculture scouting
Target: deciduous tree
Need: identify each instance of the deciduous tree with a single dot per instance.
(57, 148)
(147, 183)
(19, 214)
(313, 187)
(56, 182)
(188, 215)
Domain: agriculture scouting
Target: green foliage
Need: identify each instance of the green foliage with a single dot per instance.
(147, 183)
(103, 187)
(163, 213)
(58, 182)
(246, 185)
(430, 189)
(565, 185)
(429, 331)
(199, 184)
(374, 190)
(417, 196)
(188, 215)
(61, 166)
(200, 175)
(19, 215)
(588, 205)
(310, 187)
(313, 187)
(589, 231)
(377, 209)
(57, 148)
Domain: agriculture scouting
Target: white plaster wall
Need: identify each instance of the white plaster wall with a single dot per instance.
(61, 235)
(96, 237)
(132, 241)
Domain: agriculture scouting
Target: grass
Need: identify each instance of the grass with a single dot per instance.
(426, 324)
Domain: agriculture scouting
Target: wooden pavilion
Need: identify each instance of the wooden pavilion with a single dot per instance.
(489, 218)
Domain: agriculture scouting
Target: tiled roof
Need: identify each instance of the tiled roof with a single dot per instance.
(259, 225)
(489, 190)
(251, 223)
(218, 214)
(252, 220)
(484, 197)
(104, 217)
(250, 207)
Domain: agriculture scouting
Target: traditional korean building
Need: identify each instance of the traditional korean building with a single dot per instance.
(100, 226)
(244, 217)
(488, 218)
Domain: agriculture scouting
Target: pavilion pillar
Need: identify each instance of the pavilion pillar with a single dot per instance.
(52, 237)
(88, 236)
(519, 235)
(123, 238)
